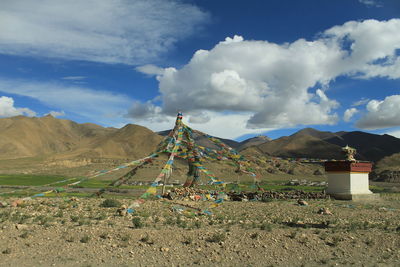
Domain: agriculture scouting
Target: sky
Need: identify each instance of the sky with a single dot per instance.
(236, 69)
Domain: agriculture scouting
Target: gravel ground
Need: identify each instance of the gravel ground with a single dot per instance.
(79, 232)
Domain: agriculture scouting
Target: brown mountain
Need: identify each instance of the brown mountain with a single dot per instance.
(47, 136)
(131, 141)
(254, 141)
(311, 143)
(27, 137)
(299, 146)
(204, 141)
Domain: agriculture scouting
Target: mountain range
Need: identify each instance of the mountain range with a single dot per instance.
(22, 137)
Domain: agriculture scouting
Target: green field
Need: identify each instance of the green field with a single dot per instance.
(41, 180)
(29, 180)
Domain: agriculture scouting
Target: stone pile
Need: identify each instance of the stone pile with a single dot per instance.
(297, 194)
(196, 194)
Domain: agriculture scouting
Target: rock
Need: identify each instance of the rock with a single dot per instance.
(302, 202)
(3, 204)
(122, 211)
(164, 249)
(324, 211)
(21, 226)
(17, 203)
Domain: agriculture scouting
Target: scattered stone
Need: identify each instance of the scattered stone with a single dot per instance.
(302, 202)
(3, 204)
(17, 203)
(324, 211)
(21, 226)
(162, 249)
(122, 211)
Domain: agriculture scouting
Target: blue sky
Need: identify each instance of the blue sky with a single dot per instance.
(235, 68)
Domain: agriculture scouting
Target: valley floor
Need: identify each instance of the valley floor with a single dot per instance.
(78, 232)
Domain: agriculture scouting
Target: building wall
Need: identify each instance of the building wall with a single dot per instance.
(348, 183)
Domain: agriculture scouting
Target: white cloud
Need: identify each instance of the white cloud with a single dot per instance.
(74, 78)
(369, 56)
(216, 124)
(381, 114)
(361, 102)
(56, 114)
(370, 3)
(7, 108)
(150, 69)
(349, 113)
(118, 31)
(394, 133)
(276, 83)
(102, 106)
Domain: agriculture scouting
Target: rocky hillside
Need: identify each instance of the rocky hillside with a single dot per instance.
(22, 137)
(311, 143)
(27, 137)
(388, 169)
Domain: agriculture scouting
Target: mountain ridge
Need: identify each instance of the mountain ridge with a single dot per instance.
(22, 136)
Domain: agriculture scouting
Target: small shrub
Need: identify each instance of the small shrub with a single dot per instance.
(85, 239)
(125, 238)
(146, 239)
(197, 224)
(188, 240)
(7, 251)
(254, 235)
(181, 223)
(24, 235)
(84, 221)
(266, 227)
(59, 214)
(104, 236)
(293, 235)
(216, 238)
(169, 221)
(137, 222)
(335, 241)
(110, 203)
(369, 242)
(70, 239)
(43, 219)
(74, 218)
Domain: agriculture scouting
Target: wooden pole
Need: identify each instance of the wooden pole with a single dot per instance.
(163, 187)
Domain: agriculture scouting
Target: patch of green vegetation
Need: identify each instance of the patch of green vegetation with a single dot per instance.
(216, 238)
(110, 203)
(137, 222)
(99, 183)
(292, 188)
(378, 189)
(85, 239)
(29, 180)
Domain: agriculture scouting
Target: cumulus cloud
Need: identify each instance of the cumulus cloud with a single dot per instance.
(118, 31)
(231, 125)
(349, 113)
(101, 106)
(280, 85)
(56, 114)
(7, 108)
(381, 114)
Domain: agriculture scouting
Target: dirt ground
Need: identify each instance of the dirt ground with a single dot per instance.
(65, 232)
